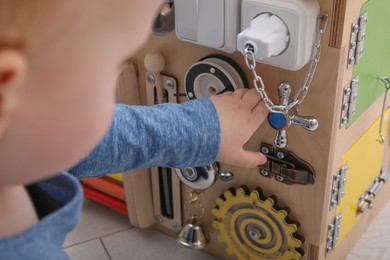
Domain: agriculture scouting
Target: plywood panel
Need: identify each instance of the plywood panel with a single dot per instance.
(364, 161)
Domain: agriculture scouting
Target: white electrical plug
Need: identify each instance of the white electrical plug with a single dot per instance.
(268, 35)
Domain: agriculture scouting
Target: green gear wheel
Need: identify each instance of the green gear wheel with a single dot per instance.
(254, 228)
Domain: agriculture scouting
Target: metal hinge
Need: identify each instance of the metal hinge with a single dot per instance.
(366, 201)
(333, 234)
(358, 35)
(349, 101)
(338, 188)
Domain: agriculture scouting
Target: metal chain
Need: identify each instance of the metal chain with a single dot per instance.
(250, 61)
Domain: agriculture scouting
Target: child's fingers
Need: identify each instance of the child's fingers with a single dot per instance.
(251, 98)
(250, 159)
(240, 92)
(260, 110)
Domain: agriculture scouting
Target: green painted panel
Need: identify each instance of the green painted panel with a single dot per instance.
(376, 58)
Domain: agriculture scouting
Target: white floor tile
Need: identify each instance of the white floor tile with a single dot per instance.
(124, 242)
(374, 243)
(96, 221)
(91, 250)
(148, 244)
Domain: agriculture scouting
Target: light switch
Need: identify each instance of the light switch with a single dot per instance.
(186, 19)
(212, 23)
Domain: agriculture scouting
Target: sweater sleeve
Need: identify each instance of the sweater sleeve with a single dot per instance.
(167, 135)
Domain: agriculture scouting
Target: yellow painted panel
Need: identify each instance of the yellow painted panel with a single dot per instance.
(117, 176)
(364, 164)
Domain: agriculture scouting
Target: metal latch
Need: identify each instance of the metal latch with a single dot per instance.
(333, 234)
(349, 101)
(358, 35)
(338, 188)
(285, 166)
(366, 201)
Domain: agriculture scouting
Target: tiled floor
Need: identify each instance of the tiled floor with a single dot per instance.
(104, 234)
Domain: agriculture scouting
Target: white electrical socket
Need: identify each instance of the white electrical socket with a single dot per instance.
(299, 16)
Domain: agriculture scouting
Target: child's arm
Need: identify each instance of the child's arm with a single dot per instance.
(177, 136)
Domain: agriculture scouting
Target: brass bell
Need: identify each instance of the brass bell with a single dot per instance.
(193, 235)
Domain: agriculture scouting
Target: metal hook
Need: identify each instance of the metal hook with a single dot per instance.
(385, 80)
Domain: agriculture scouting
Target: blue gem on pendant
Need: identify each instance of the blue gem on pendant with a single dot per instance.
(277, 121)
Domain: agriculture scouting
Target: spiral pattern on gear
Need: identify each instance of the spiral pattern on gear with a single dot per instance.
(253, 228)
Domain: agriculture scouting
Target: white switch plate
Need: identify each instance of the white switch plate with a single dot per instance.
(212, 23)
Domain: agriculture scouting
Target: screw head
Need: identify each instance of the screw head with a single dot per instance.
(265, 150)
(169, 84)
(264, 173)
(158, 219)
(351, 60)
(253, 234)
(190, 94)
(151, 79)
(190, 174)
(280, 155)
(175, 226)
(345, 106)
(279, 178)
(212, 70)
(331, 227)
(355, 28)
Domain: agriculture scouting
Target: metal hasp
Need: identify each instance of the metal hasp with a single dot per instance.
(201, 178)
(280, 120)
(366, 201)
(349, 101)
(338, 188)
(285, 166)
(333, 234)
(358, 35)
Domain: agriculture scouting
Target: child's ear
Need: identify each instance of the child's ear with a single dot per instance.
(12, 73)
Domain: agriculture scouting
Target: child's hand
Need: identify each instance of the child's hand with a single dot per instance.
(240, 113)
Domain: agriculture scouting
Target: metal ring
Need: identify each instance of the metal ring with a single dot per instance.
(196, 201)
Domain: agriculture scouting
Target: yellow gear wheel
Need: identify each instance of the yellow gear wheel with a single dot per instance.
(254, 228)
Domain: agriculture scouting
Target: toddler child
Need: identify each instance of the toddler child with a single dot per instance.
(59, 61)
